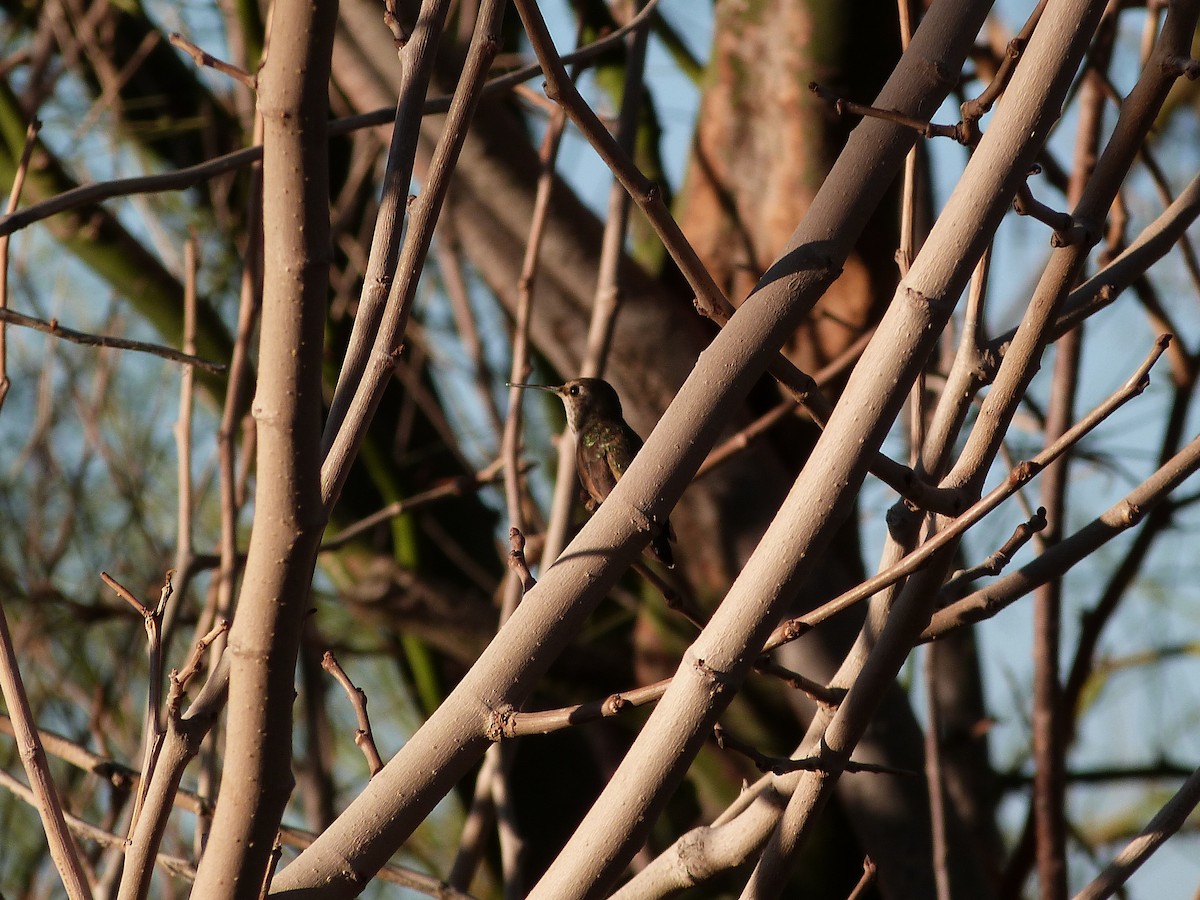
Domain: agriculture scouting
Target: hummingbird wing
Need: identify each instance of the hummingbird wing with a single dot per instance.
(613, 445)
(610, 448)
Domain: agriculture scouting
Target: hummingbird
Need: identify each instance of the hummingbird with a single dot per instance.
(605, 445)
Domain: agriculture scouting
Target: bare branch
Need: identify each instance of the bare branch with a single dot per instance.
(925, 129)
(14, 197)
(779, 766)
(974, 110)
(1165, 823)
(864, 883)
(995, 563)
(289, 513)
(203, 58)
(45, 796)
(516, 560)
(358, 700)
(52, 327)
(454, 487)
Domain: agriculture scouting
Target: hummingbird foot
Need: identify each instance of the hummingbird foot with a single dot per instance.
(660, 548)
(662, 536)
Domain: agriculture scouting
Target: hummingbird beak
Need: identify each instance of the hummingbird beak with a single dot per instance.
(554, 389)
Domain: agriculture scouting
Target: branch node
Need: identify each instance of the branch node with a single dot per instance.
(127, 595)
(614, 704)
(1076, 234)
(842, 107)
(1027, 205)
(400, 35)
(206, 59)
(718, 681)
(1186, 66)
(1025, 471)
(517, 562)
(500, 724)
(1130, 514)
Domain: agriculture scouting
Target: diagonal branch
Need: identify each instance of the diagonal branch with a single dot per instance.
(33, 756)
(452, 740)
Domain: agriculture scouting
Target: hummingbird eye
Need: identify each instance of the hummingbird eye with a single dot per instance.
(574, 390)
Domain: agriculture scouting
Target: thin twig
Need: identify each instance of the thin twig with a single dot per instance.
(183, 424)
(974, 110)
(152, 729)
(935, 781)
(1050, 733)
(276, 855)
(1026, 204)
(342, 440)
(450, 262)
(778, 765)
(205, 59)
(926, 129)
(1165, 823)
(561, 88)
(675, 600)
(179, 678)
(476, 829)
(127, 595)
(513, 723)
(607, 298)
(1163, 187)
(1153, 243)
(14, 197)
(416, 68)
(451, 487)
(363, 737)
(182, 740)
(33, 757)
(995, 563)
(834, 369)
(865, 882)
(816, 690)
(52, 327)
(738, 442)
(563, 497)
(516, 560)
(238, 390)
(520, 368)
(907, 251)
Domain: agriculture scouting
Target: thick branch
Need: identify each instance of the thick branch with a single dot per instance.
(288, 515)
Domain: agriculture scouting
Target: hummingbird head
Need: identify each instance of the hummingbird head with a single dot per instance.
(586, 399)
